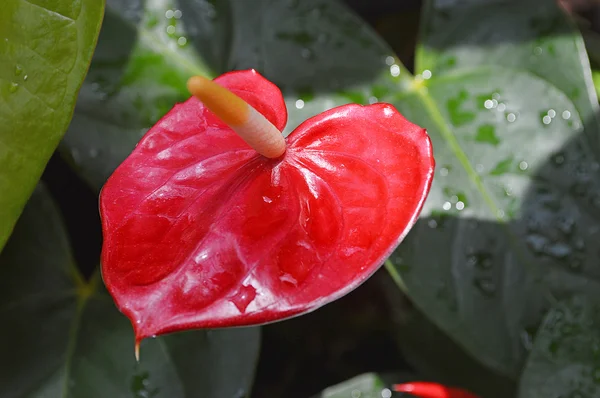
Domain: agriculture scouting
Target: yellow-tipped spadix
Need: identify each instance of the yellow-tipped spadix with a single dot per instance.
(246, 121)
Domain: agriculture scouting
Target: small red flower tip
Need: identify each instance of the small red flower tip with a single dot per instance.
(204, 227)
(432, 390)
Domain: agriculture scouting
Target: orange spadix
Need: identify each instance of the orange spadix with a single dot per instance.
(247, 122)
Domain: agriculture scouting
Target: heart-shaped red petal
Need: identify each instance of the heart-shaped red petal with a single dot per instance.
(201, 231)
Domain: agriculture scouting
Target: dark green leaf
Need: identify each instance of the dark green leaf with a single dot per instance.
(318, 53)
(45, 50)
(565, 360)
(485, 269)
(63, 336)
(435, 356)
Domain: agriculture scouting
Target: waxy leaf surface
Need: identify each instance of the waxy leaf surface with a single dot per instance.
(201, 231)
(45, 50)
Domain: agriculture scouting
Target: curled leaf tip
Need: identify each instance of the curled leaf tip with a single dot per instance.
(255, 129)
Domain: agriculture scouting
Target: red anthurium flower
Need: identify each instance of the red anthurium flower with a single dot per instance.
(432, 390)
(200, 230)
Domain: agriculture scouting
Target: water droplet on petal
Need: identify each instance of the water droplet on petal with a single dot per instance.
(566, 115)
(244, 296)
(395, 70)
(288, 279)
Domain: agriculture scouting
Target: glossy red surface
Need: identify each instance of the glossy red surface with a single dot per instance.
(200, 231)
(432, 390)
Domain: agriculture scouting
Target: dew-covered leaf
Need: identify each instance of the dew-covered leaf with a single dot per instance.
(514, 208)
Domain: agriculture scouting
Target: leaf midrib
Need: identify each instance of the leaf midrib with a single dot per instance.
(437, 117)
(155, 43)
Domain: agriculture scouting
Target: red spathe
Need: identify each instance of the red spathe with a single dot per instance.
(200, 231)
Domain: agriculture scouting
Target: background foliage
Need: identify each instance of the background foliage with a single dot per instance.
(495, 289)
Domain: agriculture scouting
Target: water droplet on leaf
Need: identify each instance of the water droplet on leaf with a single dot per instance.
(558, 159)
(486, 286)
(481, 259)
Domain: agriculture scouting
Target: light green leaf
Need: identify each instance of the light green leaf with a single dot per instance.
(45, 51)
(63, 337)
(316, 51)
(368, 385)
(565, 360)
(512, 218)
